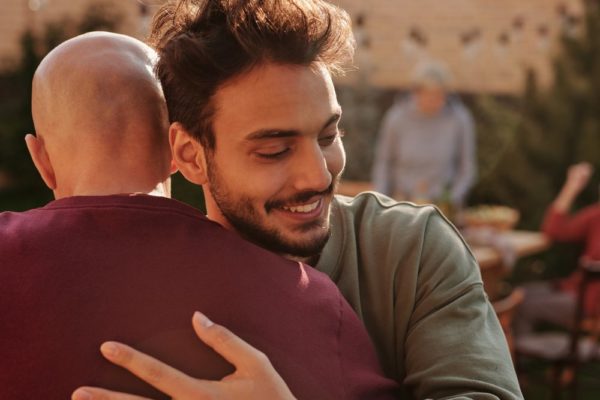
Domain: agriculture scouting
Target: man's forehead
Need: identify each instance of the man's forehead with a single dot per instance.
(275, 97)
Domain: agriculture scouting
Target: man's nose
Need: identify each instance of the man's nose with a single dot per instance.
(311, 172)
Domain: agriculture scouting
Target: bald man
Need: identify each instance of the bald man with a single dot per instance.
(100, 119)
(107, 261)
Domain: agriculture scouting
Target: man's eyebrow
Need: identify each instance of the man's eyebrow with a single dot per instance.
(271, 134)
(281, 133)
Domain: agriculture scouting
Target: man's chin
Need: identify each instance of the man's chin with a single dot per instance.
(298, 241)
(305, 249)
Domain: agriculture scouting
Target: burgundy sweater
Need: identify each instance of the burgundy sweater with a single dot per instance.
(583, 227)
(83, 270)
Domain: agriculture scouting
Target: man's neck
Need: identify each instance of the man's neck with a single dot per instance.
(161, 190)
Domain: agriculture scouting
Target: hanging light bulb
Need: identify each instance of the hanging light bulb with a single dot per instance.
(470, 42)
(543, 41)
(360, 33)
(518, 25)
(502, 43)
(414, 43)
(36, 5)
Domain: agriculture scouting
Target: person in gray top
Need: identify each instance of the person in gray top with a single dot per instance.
(426, 144)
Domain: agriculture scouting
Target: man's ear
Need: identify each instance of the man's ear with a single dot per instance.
(40, 158)
(188, 154)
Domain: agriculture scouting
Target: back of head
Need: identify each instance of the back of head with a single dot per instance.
(431, 82)
(431, 74)
(100, 112)
(203, 44)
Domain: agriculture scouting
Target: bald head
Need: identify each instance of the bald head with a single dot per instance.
(100, 117)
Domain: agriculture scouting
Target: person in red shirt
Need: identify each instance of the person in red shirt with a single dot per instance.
(554, 302)
(108, 261)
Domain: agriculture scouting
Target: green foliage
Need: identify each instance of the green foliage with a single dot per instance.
(21, 178)
(552, 128)
(497, 121)
(527, 144)
(187, 192)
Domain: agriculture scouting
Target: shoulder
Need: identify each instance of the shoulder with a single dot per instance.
(413, 244)
(371, 227)
(374, 217)
(80, 218)
(592, 212)
(460, 111)
(402, 231)
(13, 223)
(374, 208)
(398, 110)
(372, 202)
(555, 221)
(20, 232)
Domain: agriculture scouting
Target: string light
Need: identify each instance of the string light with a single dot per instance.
(36, 5)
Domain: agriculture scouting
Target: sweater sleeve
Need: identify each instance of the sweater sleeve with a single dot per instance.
(563, 227)
(455, 348)
(383, 165)
(466, 166)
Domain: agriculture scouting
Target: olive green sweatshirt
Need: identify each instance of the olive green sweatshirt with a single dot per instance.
(416, 285)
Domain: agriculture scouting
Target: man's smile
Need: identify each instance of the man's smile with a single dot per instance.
(303, 208)
(306, 212)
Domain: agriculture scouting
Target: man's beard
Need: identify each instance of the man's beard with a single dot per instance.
(247, 221)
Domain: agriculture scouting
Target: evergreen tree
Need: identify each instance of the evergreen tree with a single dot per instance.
(559, 126)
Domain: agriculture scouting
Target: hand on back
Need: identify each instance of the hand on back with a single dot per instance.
(254, 378)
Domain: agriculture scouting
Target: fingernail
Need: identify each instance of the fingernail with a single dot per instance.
(109, 349)
(81, 394)
(202, 320)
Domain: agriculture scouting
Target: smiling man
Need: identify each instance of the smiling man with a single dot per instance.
(254, 120)
(271, 181)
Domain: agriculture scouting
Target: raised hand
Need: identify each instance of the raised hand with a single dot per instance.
(578, 176)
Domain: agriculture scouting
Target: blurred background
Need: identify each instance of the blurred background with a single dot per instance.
(528, 71)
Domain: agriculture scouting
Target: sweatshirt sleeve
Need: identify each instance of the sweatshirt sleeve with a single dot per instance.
(563, 227)
(455, 347)
(466, 166)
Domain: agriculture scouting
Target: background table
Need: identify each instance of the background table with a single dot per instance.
(493, 268)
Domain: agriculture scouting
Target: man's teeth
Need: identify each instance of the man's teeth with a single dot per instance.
(303, 208)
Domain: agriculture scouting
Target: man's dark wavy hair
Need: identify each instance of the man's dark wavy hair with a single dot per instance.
(204, 43)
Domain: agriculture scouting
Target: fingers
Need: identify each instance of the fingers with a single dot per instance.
(156, 373)
(255, 377)
(582, 170)
(231, 347)
(90, 393)
(584, 165)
